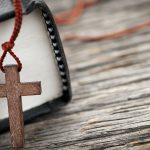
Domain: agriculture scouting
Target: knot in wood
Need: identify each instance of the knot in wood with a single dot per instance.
(7, 46)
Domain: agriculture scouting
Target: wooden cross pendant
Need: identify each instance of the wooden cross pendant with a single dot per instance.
(13, 90)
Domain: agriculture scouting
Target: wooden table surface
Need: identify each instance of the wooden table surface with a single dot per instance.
(111, 85)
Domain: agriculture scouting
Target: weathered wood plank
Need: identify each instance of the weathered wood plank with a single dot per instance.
(111, 85)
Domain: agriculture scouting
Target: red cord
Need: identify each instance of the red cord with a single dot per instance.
(8, 46)
(109, 36)
(73, 15)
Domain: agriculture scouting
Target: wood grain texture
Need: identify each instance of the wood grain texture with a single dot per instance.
(110, 109)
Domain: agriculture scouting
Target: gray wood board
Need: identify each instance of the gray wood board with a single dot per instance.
(111, 85)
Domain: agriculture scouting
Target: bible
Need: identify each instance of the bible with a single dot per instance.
(42, 56)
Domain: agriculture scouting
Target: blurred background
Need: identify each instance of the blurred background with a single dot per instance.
(100, 35)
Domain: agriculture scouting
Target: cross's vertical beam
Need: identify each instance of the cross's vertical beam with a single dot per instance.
(15, 106)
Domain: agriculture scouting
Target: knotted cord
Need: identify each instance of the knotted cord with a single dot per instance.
(8, 46)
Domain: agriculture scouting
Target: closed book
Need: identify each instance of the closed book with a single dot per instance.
(40, 49)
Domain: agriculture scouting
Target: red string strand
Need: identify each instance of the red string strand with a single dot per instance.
(109, 36)
(71, 16)
(8, 46)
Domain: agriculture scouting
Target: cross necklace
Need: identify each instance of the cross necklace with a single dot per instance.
(13, 90)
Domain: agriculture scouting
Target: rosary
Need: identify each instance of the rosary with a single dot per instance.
(13, 89)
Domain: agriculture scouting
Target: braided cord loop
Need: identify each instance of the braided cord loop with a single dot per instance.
(8, 46)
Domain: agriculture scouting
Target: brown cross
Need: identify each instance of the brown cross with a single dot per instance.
(13, 90)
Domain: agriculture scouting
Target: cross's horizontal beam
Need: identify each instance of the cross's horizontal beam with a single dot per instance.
(33, 88)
